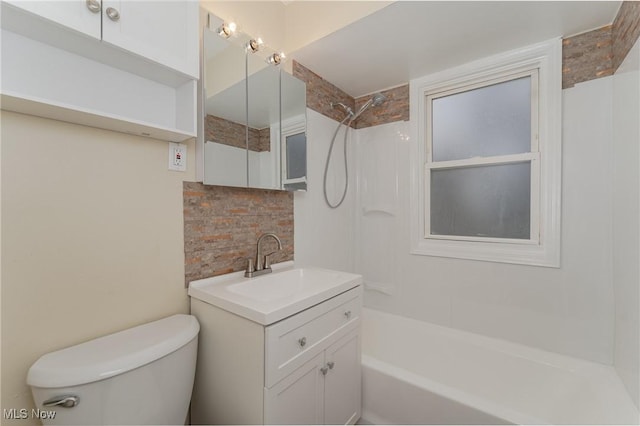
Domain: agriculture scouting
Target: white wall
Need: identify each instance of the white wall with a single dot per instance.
(626, 214)
(92, 239)
(568, 310)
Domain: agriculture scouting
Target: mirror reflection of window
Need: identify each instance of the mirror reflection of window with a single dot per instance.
(296, 162)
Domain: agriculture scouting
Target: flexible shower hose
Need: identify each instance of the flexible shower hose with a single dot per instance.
(346, 167)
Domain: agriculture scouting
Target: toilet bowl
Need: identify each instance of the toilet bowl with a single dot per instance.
(143, 375)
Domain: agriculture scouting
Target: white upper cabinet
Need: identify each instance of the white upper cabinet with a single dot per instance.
(165, 32)
(129, 66)
(81, 15)
(157, 30)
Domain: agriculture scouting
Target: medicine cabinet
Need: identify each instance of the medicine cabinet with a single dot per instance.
(254, 116)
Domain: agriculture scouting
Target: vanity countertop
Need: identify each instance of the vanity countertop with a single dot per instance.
(271, 297)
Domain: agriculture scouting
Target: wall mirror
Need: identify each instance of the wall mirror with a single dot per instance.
(254, 116)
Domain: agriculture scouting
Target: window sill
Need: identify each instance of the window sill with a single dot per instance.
(522, 254)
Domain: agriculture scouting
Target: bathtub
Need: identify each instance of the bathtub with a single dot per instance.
(419, 373)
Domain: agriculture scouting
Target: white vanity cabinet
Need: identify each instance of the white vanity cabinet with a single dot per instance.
(130, 66)
(304, 369)
(325, 390)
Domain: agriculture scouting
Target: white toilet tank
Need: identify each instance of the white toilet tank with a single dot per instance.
(143, 375)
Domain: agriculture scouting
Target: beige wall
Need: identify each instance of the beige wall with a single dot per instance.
(92, 239)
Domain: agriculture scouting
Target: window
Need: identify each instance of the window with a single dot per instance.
(295, 166)
(487, 144)
(294, 154)
(482, 156)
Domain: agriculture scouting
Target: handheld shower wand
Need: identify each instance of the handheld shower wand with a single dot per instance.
(376, 100)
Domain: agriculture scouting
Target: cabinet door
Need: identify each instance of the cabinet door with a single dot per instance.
(297, 399)
(80, 15)
(165, 32)
(343, 387)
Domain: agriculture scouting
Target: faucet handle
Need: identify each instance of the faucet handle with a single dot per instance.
(267, 260)
(250, 267)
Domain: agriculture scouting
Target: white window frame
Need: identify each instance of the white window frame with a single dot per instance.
(543, 248)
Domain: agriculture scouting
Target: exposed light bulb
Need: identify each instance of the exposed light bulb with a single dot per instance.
(226, 29)
(276, 58)
(254, 45)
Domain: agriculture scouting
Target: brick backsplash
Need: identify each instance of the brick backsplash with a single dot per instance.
(626, 30)
(234, 134)
(587, 56)
(320, 93)
(222, 226)
(394, 108)
(600, 52)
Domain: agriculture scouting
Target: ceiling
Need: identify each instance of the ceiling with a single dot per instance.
(410, 39)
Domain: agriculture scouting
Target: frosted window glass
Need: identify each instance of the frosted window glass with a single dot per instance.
(491, 120)
(488, 201)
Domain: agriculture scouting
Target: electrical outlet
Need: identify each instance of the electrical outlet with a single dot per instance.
(177, 156)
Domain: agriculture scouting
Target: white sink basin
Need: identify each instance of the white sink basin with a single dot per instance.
(272, 297)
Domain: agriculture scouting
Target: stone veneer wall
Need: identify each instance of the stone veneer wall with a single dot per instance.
(587, 56)
(320, 93)
(626, 30)
(264, 139)
(233, 134)
(394, 108)
(222, 226)
(600, 52)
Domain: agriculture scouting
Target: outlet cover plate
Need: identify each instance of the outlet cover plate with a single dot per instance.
(177, 156)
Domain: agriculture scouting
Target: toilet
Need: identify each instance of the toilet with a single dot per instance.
(143, 375)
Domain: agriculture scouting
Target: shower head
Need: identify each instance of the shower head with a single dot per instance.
(378, 99)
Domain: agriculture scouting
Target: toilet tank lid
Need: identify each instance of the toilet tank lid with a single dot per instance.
(114, 354)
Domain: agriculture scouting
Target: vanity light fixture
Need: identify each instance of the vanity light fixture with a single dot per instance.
(254, 45)
(276, 58)
(226, 30)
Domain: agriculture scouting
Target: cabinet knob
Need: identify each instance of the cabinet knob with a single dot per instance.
(93, 6)
(324, 370)
(347, 314)
(113, 14)
(331, 364)
(302, 342)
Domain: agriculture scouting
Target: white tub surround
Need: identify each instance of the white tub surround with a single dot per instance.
(420, 373)
(626, 229)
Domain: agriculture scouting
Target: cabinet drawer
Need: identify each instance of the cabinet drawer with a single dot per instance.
(295, 340)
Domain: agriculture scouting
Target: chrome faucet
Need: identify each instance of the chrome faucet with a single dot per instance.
(263, 262)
